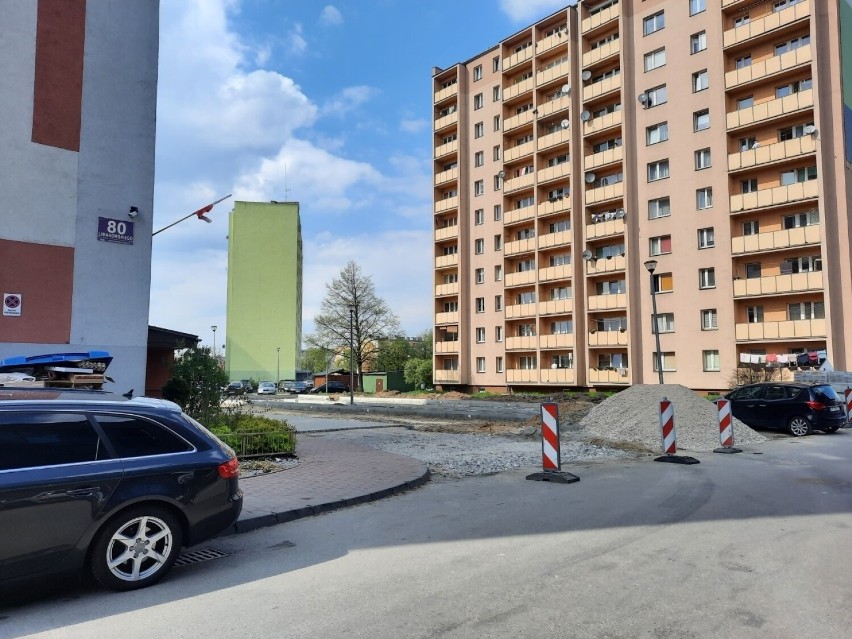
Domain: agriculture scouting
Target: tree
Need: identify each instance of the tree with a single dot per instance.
(372, 320)
(393, 354)
(748, 375)
(196, 383)
(418, 372)
(315, 359)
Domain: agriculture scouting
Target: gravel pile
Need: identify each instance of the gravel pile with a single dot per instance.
(633, 415)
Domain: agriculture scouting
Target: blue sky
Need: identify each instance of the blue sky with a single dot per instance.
(335, 96)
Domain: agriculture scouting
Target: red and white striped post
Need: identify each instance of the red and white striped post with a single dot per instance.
(669, 436)
(551, 459)
(726, 427)
(848, 395)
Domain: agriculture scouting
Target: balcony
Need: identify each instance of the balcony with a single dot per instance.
(604, 193)
(562, 340)
(514, 216)
(447, 92)
(610, 302)
(771, 109)
(515, 152)
(552, 273)
(773, 240)
(447, 121)
(552, 208)
(554, 172)
(440, 376)
(519, 88)
(563, 136)
(775, 196)
(517, 120)
(519, 279)
(606, 265)
(559, 238)
(770, 22)
(522, 343)
(447, 289)
(793, 329)
(447, 318)
(617, 376)
(602, 122)
(517, 247)
(603, 158)
(779, 284)
(442, 348)
(558, 376)
(552, 41)
(777, 152)
(554, 73)
(608, 228)
(521, 376)
(518, 58)
(446, 176)
(518, 183)
(603, 52)
(447, 261)
(602, 87)
(447, 204)
(446, 232)
(770, 66)
(608, 338)
(517, 311)
(556, 307)
(554, 106)
(446, 149)
(600, 19)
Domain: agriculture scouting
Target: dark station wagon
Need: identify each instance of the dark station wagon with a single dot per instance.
(95, 482)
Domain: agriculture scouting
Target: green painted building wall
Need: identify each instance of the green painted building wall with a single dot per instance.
(264, 311)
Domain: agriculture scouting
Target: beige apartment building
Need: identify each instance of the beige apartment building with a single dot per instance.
(703, 138)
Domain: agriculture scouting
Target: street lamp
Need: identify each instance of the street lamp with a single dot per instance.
(213, 328)
(277, 366)
(351, 356)
(651, 265)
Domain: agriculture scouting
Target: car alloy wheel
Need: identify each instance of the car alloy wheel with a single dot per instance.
(799, 426)
(136, 548)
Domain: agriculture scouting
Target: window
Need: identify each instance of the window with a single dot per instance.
(478, 101)
(564, 327)
(479, 246)
(606, 145)
(702, 159)
(527, 363)
(524, 202)
(754, 314)
(525, 234)
(711, 360)
(610, 288)
(524, 266)
(700, 81)
(35, 439)
(665, 322)
(496, 153)
(560, 293)
(498, 242)
(480, 304)
(706, 238)
(611, 324)
(478, 130)
(797, 220)
(793, 44)
(656, 96)
(654, 23)
(562, 361)
(741, 20)
(659, 208)
(480, 364)
(559, 159)
(797, 131)
(707, 278)
(698, 42)
(745, 103)
(743, 61)
(667, 359)
(495, 93)
(498, 181)
(805, 310)
(657, 133)
(655, 59)
(798, 175)
(752, 270)
(704, 198)
(498, 333)
(451, 307)
(496, 122)
(560, 259)
(660, 245)
(612, 360)
(495, 63)
(498, 302)
(663, 283)
(701, 120)
(793, 87)
(709, 319)
(780, 5)
(479, 216)
(479, 187)
(559, 226)
(526, 330)
(479, 158)
(499, 364)
(498, 273)
(658, 170)
(480, 275)
(498, 212)
(752, 227)
(477, 72)
(747, 144)
(697, 6)
(480, 335)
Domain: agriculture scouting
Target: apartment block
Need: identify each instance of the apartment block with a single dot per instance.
(619, 157)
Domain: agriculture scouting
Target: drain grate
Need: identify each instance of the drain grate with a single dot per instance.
(197, 556)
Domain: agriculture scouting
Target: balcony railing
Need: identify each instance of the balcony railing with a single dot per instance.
(607, 302)
(551, 41)
(520, 182)
(446, 233)
(608, 338)
(517, 89)
(447, 120)
(602, 158)
(522, 343)
(602, 87)
(558, 376)
(602, 52)
(556, 72)
(771, 109)
(446, 149)
(770, 22)
(775, 196)
(517, 120)
(602, 122)
(516, 311)
(549, 240)
(600, 18)
(517, 58)
(776, 152)
(515, 152)
(446, 204)
(779, 284)
(445, 261)
(609, 376)
(557, 206)
(513, 216)
(554, 139)
(551, 273)
(447, 289)
(446, 92)
(554, 172)
(446, 176)
(793, 329)
(563, 340)
(556, 307)
(521, 376)
(781, 239)
(447, 347)
(604, 193)
(447, 318)
(605, 229)
(554, 106)
(519, 246)
(770, 66)
(444, 376)
(606, 265)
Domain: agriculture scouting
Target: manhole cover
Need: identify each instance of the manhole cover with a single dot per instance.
(197, 556)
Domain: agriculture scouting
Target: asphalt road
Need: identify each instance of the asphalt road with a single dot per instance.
(747, 545)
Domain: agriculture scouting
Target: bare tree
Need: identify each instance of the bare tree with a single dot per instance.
(371, 317)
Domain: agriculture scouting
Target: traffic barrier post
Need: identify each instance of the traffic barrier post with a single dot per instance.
(848, 396)
(669, 436)
(726, 428)
(551, 459)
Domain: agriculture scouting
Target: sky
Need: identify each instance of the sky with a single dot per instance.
(325, 104)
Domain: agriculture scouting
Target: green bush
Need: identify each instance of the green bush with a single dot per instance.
(252, 435)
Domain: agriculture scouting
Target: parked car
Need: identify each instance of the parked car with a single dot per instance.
(331, 387)
(296, 386)
(248, 385)
(266, 388)
(235, 388)
(92, 482)
(800, 408)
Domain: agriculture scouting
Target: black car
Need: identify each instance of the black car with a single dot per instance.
(236, 388)
(94, 482)
(331, 387)
(800, 408)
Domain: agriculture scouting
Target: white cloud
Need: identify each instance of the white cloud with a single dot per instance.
(297, 43)
(348, 100)
(413, 126)
(531, 10)
(330, 16)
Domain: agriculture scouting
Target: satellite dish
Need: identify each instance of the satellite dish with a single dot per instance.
(565, 124)
(586, 74)
(587, 255)
(590, 177)
(566, 89)
(810, 129)
(643, 98)
(585, 116)
(619, 214)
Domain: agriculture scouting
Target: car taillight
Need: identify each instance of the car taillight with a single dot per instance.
(815, 405)
(230, 468)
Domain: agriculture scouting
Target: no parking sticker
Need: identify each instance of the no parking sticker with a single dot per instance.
(11, 304)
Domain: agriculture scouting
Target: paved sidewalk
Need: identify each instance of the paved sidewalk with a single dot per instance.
(331, 474)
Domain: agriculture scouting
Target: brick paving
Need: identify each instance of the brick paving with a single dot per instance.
(331, 474)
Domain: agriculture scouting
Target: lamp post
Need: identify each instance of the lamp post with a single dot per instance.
(351, 356)
(277, 366)
(213, 328)
(651, 265)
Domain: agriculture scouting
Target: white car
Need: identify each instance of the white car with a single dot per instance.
(266, 388)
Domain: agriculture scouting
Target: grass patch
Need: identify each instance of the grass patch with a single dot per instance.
(253, 435)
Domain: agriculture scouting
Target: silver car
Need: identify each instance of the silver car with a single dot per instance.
(266, 388)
